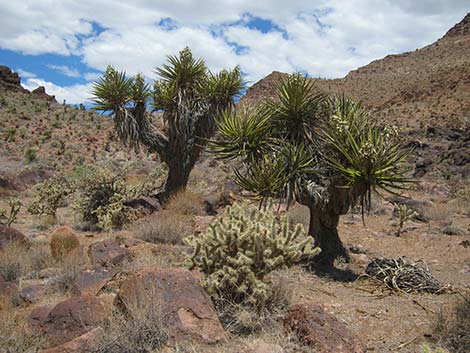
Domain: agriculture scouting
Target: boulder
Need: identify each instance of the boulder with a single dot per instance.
(321, 330)
(9, 235)
(8, 294)
(9, 182)
(90, 282)
(149, 203)
(31, 294)
(187, 310)
(82, 344)
(108, 253)
(9, 77)
(68, 319)
(41, 93)
(33, 176)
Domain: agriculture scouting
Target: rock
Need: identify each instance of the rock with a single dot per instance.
(9, 235)
(33, 176)
(361, 260)
(465, 243)
(108, 253)
(8, 294)
(187, 310)
(82, 344)
(32, 293)
(266, 348)
(68, 319)
(9, 182)
(41, 93)
(321, 330)
(452, 230)
(201, 223)
(90, 282)
(9, 77)
(149, 203)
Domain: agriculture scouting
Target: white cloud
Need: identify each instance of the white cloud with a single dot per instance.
(73, 94)
(65, 70)
(322, 37)
(25, 74)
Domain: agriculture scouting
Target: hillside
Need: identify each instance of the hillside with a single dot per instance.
(426, 93)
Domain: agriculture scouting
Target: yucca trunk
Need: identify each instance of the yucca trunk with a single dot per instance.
(324, 229)
(178, 175)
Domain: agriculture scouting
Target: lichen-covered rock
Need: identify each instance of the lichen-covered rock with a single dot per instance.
(187, 311)
(320, 330)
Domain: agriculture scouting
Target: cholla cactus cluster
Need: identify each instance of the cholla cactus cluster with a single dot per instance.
(6, 219)
(242, 247)
(50, 196)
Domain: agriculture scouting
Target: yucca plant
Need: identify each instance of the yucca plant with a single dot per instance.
(327, 153)
(192, 100)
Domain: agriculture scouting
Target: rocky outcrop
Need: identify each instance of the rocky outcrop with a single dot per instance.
(460, 29)
(9, 77)
(314, 327)
(41, 93)
(187, 311)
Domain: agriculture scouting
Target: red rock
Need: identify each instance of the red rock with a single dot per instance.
(266, 348)
(90, 282)
(321, 330)
(9, 235)
(107, 253)
(187, 310)
(68, 319)
(33, 176)
(8, 294)
(83, 344)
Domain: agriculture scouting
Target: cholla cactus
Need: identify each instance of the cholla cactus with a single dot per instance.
(405, 215)
(242, 247)
(50, 196)
(8, 219)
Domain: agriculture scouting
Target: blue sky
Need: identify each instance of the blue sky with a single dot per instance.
(64, 45)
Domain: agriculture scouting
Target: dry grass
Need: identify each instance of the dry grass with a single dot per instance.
(247, 318)
(164, 227)
(17, 261)
(186, 203)
(452, 326)
(15, 337)
(68, 271)
(137, 330)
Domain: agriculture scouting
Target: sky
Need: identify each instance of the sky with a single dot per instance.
(64, 45)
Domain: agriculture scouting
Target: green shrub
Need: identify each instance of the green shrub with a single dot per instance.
(30, 155)
(8, 219)
(50, 195)
(102, 201)
(242, 247)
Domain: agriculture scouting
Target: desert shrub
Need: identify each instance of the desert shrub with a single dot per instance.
(18, 260)
(103, 194)
(452, 327)
(7, 218)
(50, 195)
(68, 271)
(30, 155)
(139, 330)
(245, 318)
(186, 203)
(63, 244)
(242, 247)
(164, 227)
(425, 348)
(16, 337)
